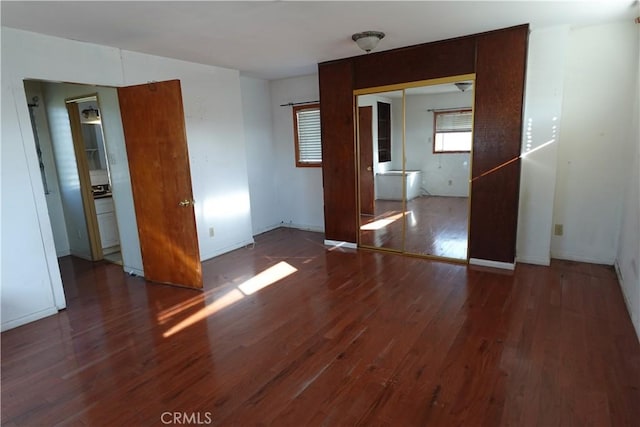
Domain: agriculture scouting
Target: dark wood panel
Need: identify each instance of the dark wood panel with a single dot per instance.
(494, 214)
(350, 338)
(414, 63)
(500, 72)
(338, 151)
(499, 68)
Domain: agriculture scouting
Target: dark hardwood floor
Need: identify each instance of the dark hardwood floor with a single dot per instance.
(435, 225)
(343, 338)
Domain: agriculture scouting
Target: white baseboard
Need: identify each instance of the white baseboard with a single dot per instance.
(340, 244)
(534, 260)
(228, 249)
(65, 252)
(133, 271)
(492, 264)
(81, 255)
(14, 323)
(267, 229)
(303, 227)
(567, 256)
(630, 307)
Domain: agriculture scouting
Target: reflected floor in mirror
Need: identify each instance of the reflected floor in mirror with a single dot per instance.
(436, 225)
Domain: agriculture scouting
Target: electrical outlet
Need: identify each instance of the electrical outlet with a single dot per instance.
(211, 232)
(558, 230)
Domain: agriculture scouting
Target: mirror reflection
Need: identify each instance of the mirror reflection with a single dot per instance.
(380, 151)
(94, 147)
(438, 147)
(416, 200)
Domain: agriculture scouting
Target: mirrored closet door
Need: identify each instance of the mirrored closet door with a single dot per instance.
(414, 146)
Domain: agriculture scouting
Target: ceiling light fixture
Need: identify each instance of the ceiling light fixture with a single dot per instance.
(463, 86)
(367, 40)
(90, 116)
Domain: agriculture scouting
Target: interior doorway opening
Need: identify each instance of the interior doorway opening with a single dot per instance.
(75, 169)
(94, 178)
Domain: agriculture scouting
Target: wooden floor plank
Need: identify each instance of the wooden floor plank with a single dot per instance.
(348, 338)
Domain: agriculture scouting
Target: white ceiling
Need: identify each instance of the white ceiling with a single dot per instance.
(277, 39)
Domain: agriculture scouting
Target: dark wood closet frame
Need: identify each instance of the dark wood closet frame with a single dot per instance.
(498, 59)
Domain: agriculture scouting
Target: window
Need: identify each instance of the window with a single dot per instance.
(452, 131)
(306, 135)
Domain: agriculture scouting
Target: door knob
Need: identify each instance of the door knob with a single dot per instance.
(369, 168)
(186, 202)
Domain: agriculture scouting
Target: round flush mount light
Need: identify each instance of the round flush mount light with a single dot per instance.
(463, 86)
(367, 40)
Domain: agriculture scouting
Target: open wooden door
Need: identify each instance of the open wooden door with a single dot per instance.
(365, 136)
(155, 136)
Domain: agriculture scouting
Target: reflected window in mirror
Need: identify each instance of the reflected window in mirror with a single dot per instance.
(452, 131)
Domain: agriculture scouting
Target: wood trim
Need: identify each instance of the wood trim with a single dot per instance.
(411, 85)
(91, 219)
(296, 142)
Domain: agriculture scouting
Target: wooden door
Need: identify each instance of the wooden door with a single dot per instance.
(155, 136)
(367, 189)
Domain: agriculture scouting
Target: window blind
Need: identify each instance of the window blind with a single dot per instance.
(458, 121)
(309, 142)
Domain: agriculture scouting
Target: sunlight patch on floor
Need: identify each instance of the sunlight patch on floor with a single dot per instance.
(381, 223)
(226, 300)
(260, 281)
(267, 277)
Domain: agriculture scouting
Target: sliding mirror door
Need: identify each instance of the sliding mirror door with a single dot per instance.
(438, 140)
(380, 145)
(414, 165)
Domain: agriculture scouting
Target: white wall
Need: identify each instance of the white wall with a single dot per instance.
(542, 118)
(27, 290)
(67, 168)
(53, 198)
(215, 139)
(31, 284)
(594, 155)
(444, 174)
(55, 94)
(261, 154)
(300, 196)
(628, 256)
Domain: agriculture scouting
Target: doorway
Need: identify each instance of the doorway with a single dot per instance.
(83, 129)
(75, 169)
(94, 178)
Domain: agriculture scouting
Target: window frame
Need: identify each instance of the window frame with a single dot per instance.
(435, 118)
(296, 142)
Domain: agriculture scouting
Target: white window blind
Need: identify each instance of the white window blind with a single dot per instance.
(458, 121)
(452, 131)
(309, 141)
